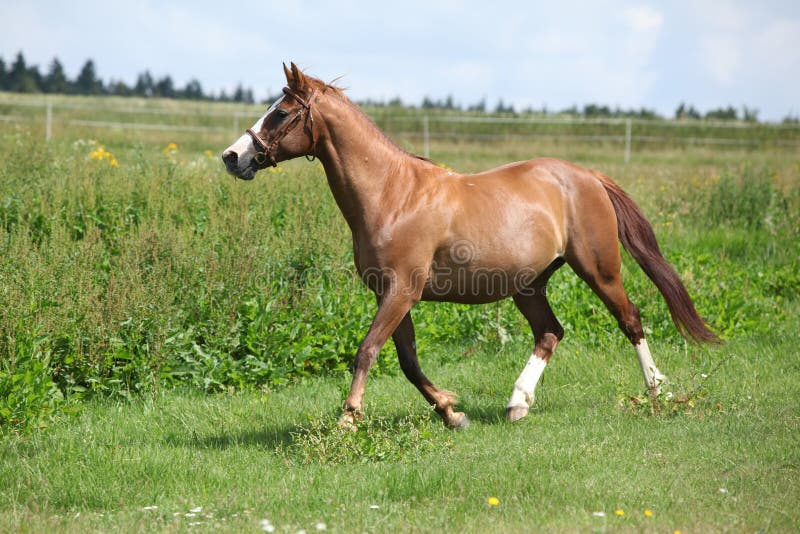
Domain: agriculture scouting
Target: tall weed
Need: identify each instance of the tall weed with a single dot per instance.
(163, 271)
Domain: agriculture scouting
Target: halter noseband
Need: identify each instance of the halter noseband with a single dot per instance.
(265, 157)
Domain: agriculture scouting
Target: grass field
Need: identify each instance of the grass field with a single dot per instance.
(172, 338)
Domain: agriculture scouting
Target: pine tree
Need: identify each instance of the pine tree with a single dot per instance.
(3, 75)
(144, 85)
(165, 88)
(119, 88)
(56, 80)
(193, 90)
(87, 82)
(20, 78)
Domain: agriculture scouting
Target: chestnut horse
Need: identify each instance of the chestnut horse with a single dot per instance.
(421, 232)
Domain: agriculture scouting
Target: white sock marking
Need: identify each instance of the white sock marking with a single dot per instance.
(652, 376)
(523, 393)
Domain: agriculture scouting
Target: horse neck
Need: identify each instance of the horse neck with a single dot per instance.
(365, 170)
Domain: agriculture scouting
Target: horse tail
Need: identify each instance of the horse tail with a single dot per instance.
(636, 235)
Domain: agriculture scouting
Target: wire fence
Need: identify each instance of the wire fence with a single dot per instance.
(63, 116)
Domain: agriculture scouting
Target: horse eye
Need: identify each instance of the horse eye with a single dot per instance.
(282, 113)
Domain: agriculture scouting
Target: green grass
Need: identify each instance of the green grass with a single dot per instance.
(172, 337)
(729, 461)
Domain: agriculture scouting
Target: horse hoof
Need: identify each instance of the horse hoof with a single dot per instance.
(347, 422)
(457, 421)
(515, 413)
(658, 383)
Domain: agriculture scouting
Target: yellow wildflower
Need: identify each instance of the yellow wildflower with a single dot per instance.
(208, 154)
(170, 150)
(492, 501)
(101, 154)
(648, 513)
(620, 513)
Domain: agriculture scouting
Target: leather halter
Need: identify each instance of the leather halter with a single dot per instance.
(264, 157)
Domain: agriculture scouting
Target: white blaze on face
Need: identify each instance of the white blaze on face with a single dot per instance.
(244, 147)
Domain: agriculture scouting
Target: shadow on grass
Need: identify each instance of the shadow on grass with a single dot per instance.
(267, 438)
(488, 414)
(281, 437)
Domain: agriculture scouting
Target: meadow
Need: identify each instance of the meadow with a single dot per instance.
(175, 346)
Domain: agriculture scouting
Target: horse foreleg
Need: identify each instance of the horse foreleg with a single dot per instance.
(547, 332)
(391, 310)
(442, 401)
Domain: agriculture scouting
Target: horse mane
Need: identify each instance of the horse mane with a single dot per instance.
(339, 92)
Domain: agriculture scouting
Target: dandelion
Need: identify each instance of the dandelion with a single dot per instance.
(170, 151)
(648, 513)
(101, 154)
(492, 501)
(619, 512)
(208, 154)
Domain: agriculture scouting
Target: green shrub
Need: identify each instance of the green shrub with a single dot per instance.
(742, 198)
(120, 281)
(28, 395)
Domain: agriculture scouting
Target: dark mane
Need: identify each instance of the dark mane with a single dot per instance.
(379, 134)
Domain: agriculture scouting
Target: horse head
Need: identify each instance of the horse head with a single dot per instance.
(284, 132)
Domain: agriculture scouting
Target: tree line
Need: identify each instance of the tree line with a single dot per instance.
(591, 111)
(19, 77)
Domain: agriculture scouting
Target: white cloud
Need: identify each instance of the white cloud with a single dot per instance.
(721, 57)
(629, 53)
(643, 18)
(722, 26)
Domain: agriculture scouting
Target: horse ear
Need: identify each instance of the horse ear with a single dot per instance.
(288, 73)
(299, 79)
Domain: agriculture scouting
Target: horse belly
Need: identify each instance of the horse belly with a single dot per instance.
(484, 281)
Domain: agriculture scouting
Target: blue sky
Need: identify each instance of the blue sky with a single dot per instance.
(619, 53)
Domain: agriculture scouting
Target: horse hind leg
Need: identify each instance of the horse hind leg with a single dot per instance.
(441, 400)
(602, 274)
(547, 332)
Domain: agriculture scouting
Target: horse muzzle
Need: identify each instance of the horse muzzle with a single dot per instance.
(232, 164)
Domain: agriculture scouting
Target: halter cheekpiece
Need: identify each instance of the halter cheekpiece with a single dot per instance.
(264, 157)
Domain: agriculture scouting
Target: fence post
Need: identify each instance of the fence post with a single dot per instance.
(48, 125)
(627, 140)
(426, 137)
